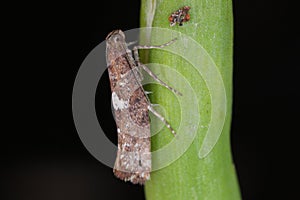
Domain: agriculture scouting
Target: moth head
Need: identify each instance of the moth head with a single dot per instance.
(116, 36)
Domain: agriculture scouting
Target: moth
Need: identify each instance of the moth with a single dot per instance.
(179, 16)
(131, 108)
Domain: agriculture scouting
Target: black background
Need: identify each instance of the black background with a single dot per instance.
(42, 156)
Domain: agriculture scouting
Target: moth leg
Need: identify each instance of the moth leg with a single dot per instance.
(158, 80)
(153, 46)
(131, 43)
(144, 67)
(136, 48)
(137, 73)
(148, 92)
(159, 116)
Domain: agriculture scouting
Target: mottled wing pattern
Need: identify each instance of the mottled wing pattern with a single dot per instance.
(130, 105)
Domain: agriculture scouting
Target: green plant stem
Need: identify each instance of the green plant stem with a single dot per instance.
(189, 177)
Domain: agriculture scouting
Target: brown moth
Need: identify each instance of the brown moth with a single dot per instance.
(131, 108)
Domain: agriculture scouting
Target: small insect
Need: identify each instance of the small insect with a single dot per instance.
(180, 16)
(131, 107)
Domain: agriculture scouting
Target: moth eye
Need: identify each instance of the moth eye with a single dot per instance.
(117, 39)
